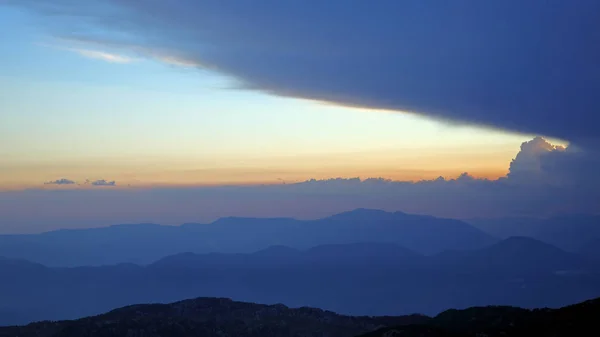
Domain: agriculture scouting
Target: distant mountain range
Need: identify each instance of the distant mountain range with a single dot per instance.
(220, 317)
(517, 254)
(356, 279)
(363, 262)
(145, 243)
(569, 232)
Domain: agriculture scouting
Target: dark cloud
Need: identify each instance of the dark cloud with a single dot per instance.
(62, 181)
(103, 182)
(530, 66)
(573, 167)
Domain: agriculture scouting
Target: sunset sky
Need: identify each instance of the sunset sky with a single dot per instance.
(76, 112)
(117, 95)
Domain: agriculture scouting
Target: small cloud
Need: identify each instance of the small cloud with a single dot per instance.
(62, 181)
(77, 47)
(177, 61)
(104, 56)
(91, 48)
(102, 182)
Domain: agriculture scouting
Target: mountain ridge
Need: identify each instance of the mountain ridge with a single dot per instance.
(578, 319)
(212, 317)
(223, 317)
(390, 281)
(143, 244)
(570, 232)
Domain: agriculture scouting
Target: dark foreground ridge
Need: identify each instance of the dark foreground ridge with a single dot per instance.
(222, 317)
(495, 321)
(208, 317)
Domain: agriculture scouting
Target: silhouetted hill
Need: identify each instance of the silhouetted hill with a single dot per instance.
(529, 253)
(508, 226)
(353, 254)
(363, 253)
(145, 243)
(222, 317)
(9, 264)
(355, 279)
(21, 268)
(575, 320)
(517, 255)
(420, 233)
(513, 255)
(209, 317)
(568, 232)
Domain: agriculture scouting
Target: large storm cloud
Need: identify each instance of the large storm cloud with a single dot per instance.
(528, 66)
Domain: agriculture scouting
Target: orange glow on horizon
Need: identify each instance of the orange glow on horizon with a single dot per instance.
(249, 179)
(397, 165)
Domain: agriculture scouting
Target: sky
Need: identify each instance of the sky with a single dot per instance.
(85, 113)
(122, 97)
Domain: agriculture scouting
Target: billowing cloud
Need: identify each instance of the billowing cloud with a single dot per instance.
(527, 167)
(540, 162)
(62, 181)
(103, 182)
(529, 66)
(574, 167)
